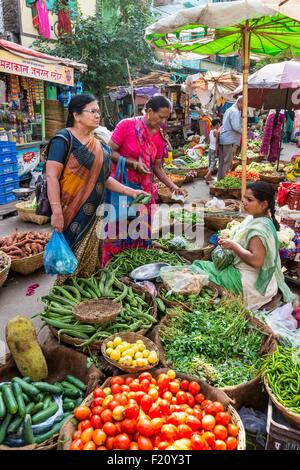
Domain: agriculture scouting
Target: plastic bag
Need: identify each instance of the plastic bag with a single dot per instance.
(215, 203)
(283, 323)
(58, 256)
(183, 279)
(148, 286)
(255, 422)
(222, 258)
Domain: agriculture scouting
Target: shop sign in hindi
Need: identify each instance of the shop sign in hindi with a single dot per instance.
(27, 67)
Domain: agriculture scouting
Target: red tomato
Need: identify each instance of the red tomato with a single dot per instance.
(168, 396)
(165, 407)
(198, 442)
(177, 418)
(89, 446)
(135, 385)
(204, 403)
(210, 409)
(117, 380)
(198, 414)
(97, 410)
(112, 405)
(208, 422)
(133, 446)
(101, 448)
(97, 402)
(86, 435)
(129, 426)
(157, 424)
(106, 416)
(84, 425)
(146, 403)
(118, 413)
(153, 394)
(184, 430)
(77, 444)
(125, 388)
(145, 384)
(231, 443)
(139, 396)
(223, 418)
(131, 411)
(209, 437)
(128, 380)
(76, 435)
(181, 397)
(169, 432)
(190, 399)
(110, 429)
(199, 398)
(193, 423)
(163, 381)
(99, 437)
(144, 443)
(109, 443)
(219, 445)
(96, 422)
(131, 396)
(174, 387)
(122, 399)
(145, 375)
(82, 412)
(122, 442)
(219, 406)
(98, 392)
(184, 385)
(155, 411)
(233, 429)
(163, 445)
(194, 388)
(118, 428)
(115, 388)
(144, 426)
(220, 432)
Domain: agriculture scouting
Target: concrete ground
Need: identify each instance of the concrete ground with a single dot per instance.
(13, 299)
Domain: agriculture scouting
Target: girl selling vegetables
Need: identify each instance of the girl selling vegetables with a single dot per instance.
(78, 170)
(140, 142)
(256, 270)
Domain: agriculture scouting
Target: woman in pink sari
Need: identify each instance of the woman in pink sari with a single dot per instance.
(140, 142)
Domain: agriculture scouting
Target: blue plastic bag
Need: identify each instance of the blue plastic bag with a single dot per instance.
(58, 256)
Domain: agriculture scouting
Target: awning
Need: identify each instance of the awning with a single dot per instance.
(19, 60)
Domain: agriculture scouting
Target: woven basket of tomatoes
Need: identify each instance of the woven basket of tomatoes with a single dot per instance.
(157, 410)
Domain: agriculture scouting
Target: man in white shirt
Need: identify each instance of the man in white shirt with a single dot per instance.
(230, 136)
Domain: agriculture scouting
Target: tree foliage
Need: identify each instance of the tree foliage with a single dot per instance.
(103, 47)
(284, 55)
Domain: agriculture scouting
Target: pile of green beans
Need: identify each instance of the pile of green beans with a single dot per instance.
(282, 370)
(58, 313)
(126, 261)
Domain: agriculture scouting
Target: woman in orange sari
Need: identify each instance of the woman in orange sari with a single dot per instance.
(78, 171)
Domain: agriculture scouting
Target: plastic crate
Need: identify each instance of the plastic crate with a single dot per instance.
(7, 198)
(9, 178)
(281, 436)
(8, 158)
(8, 168)
(7, 147)
(8, 188)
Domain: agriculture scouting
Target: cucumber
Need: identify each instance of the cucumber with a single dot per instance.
(4, 426)
(27, 388)
(76, 382)
(15, 424)
(37, 408)
(19, 398)
(30, 408)
(55, 430)
(68, 392)
(28, 433)
(47, 402)
(43, 415)
(27, 379)
(49, 388)
(38, 398)
(69, 406)
(2, 407)
(26, 399)
(9, 399)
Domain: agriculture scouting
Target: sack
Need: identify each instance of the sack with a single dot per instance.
(120, 209)
(58, 256)
(222, 258)
(41, 194)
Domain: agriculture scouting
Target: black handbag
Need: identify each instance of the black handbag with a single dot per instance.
(41, 194)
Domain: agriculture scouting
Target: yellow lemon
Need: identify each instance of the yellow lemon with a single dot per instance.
(146, 353)
(138, 355)
(115, 355)
(139, 341)
(110, 344)
(133, 363)
(140, 362)
(117, 341)
(120, 348)
(121, 361)
(135, 348)
(127, 360)
(142, 347)
(109, 351)
(130, 352)
(152, 359)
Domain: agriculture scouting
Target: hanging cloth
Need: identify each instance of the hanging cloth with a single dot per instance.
(64, 22)
(43, 15)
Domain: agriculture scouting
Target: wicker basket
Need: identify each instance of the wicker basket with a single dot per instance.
(219, 222)
(29, 215)
(27, 265)
(273, 178)
(186, 304)
(130, 338)
(211, 393)
(165, 195)
(190, 255)
(293, 418)
(4, 272)
(97, 311)
(201, 172)
(226, 193)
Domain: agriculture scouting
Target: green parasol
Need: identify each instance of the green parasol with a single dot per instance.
(242, 26)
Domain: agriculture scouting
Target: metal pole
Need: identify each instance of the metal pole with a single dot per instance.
(131, 86)
(246, 56)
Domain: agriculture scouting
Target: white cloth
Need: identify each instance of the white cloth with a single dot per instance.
(212, 140)
(253, 300)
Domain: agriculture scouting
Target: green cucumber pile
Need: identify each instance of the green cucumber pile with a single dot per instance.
(24, 403)
(59, 303)
(123, 263)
